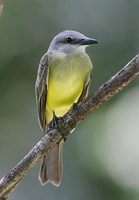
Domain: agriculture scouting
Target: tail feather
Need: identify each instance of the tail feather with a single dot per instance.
(43, 172)
(51, 168)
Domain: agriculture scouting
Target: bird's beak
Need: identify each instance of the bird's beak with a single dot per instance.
(88, 41)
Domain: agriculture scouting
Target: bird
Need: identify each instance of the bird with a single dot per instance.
(63, 80)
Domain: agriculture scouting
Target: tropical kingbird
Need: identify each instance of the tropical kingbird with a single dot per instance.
(63, 79)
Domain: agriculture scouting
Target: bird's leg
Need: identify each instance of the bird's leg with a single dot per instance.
(54, 123)
(75, 107)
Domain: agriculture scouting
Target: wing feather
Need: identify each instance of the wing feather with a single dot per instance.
(41, 87)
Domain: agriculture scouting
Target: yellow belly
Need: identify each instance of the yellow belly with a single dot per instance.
(65, 85)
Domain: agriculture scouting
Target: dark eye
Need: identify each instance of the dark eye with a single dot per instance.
(69, 40)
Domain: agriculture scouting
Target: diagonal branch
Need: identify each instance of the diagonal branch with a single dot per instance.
(116, 83)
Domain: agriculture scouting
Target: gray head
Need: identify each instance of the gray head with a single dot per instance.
(70, 41)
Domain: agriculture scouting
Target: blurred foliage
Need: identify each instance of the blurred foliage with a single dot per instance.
(101, 158)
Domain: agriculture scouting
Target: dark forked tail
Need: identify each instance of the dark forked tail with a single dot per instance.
(52, 167)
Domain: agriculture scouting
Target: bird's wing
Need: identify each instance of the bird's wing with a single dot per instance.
(84, 93)
(41, 87)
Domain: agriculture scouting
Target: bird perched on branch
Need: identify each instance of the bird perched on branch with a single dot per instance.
(63, 80)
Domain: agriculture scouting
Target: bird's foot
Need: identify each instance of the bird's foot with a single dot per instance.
(54, 124)
(55, 121)
(75, 107)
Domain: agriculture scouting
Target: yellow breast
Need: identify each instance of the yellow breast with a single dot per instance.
(67, 77)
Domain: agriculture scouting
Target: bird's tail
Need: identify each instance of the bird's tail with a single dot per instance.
(51, 167)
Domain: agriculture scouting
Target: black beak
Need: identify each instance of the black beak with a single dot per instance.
(88, 41)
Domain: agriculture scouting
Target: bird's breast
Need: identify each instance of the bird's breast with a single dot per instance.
(67, 77)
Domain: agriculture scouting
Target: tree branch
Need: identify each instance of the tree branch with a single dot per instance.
(116, 83)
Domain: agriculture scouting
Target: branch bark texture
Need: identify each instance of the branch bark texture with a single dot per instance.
(65, 124)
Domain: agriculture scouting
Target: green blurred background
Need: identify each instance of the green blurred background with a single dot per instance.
(101, 157)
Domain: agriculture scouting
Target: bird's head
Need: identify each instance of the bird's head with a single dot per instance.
(70, 41)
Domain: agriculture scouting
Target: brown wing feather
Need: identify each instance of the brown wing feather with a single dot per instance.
(85, 90)
(41, 89)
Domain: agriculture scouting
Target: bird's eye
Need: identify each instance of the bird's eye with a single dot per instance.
(69, 40)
